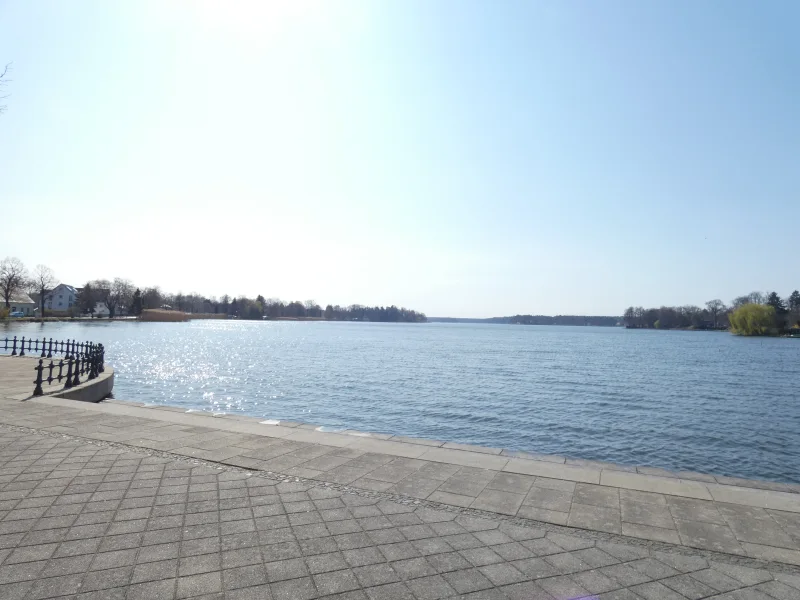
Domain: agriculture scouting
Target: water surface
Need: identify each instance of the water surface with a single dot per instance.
(703, 401)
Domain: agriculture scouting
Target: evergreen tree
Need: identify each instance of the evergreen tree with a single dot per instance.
(794, 300)
(87, 299)
(136, 303)
(780, 311)
(777, 303)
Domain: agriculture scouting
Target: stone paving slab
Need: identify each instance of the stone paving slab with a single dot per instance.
(644, 507)
(85, 520)
(16, 377)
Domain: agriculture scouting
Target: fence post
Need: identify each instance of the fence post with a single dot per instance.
(22, 349)
(37, 391)
(44, 348)
(68, 384)
(77, 380)
(93, 364)
(14, 347)
(50, 349)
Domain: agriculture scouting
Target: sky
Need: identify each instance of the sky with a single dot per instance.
(459, 157)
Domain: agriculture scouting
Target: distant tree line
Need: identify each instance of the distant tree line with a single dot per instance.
(776, 316)
(121, 297)
(247, 308)
(274, 308)
(563, 320)
(581, 320)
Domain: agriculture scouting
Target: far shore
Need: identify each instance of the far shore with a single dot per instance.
(160, 317)
(59, 319)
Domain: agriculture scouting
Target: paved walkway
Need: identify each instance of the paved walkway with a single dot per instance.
(122, 501)
(16, 377)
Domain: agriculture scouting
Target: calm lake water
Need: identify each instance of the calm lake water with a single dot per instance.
(701, 401)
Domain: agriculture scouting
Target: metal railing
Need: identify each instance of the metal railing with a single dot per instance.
(79, 359)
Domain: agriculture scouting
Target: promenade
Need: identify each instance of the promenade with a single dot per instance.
(119, 500)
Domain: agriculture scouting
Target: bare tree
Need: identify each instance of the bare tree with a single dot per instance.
(43, 280)
(195, 302)
(13, 278)
(715, 307)
(87, 299)
(751, 298)
(114, 294)
(121, 294)
(740, 301)
(101, 292)
(3, 83)
(312, 308)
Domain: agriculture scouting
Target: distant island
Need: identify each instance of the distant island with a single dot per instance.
(579, 320)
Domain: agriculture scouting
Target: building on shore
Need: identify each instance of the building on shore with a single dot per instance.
(61, 298)
(24, 304)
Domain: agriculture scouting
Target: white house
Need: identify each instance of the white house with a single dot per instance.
(100, 310)
(23, 303)
(61, 298)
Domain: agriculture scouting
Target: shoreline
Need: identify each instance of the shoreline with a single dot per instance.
(14, 386)
(554, 459)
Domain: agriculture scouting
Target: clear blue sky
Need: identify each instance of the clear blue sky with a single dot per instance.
(462, 158)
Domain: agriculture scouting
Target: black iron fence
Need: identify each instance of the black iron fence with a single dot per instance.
(79, 359)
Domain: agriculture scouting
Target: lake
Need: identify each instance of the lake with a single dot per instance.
(701, 401)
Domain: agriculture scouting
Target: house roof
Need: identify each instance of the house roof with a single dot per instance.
(66, 287)
(21, 299)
